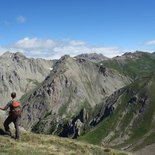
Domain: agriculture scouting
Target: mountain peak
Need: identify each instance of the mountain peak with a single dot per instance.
(20, 54)
(93, 57)
(8, 55)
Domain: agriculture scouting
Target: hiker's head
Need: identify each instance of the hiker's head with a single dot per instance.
(13, 95)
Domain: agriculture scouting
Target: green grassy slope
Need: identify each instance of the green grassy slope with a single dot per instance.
(134, 67)
(130, 124)
(39, 144)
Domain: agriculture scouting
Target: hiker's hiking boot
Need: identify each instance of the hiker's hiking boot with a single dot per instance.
(7, 134)
(15, 138)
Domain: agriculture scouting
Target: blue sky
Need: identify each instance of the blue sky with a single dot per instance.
(52, 28)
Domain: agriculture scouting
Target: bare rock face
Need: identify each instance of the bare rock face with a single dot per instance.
(73, 128)
(21, 74)
(73, 84)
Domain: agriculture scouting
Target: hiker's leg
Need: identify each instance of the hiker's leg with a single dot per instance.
(6, 125)
(16, 123)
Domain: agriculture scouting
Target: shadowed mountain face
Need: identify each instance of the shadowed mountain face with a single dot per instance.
(20, 74)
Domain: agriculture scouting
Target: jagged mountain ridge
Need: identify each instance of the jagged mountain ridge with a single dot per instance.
(72, 85)
(21, 74)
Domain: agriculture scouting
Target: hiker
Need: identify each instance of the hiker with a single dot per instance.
(14, 115)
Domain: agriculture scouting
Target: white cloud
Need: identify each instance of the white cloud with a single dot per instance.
(151, 42)
(21, 19)
(34, 43)
(54, 49)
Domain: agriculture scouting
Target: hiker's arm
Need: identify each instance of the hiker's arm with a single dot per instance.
(3, 108)
(6, 107)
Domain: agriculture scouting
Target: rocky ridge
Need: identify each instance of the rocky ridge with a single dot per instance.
(74, 86)
(21, 74)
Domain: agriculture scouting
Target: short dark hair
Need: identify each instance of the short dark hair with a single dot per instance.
(13, 94)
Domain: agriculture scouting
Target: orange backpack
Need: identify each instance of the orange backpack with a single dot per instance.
(16, 108)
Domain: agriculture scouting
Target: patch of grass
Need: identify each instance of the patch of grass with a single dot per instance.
(37, 144)
(150, 139)
(142, 124)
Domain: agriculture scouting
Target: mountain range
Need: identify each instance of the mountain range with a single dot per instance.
(109, 102)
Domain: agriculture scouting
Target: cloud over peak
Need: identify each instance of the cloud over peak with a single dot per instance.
(54, 49)
(34, 43)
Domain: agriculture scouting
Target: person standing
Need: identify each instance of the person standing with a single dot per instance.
(14, 115)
